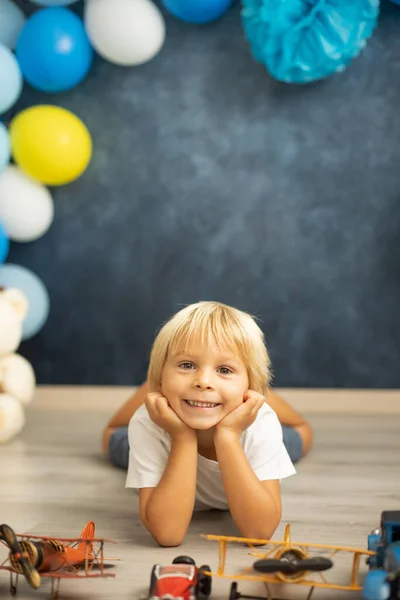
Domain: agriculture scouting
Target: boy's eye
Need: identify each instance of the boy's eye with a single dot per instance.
(186, 365)
(225, 370)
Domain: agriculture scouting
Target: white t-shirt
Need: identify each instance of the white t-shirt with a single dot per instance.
(150, 447)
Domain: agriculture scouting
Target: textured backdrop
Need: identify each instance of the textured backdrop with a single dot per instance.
(210, 180)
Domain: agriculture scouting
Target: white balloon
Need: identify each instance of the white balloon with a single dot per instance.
(12, 20)
(26, 206)
(54, 2)
(125, 32)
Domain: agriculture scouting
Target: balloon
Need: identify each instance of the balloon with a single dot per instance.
(10, 79)
(4, 147)
(26, 206)
(38, 299)
(54, 2)
(12, 20)
(4, 244)
(53, 50)
(125, 32)
(197, 11)
(50, 144)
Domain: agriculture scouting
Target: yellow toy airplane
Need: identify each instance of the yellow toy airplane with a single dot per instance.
(287, 562)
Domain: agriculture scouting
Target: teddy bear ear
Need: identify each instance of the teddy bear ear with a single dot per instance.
(17, 300)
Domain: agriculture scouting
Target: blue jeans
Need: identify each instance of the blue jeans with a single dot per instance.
(118, 449)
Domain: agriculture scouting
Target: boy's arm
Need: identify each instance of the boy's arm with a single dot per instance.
(166, 510)
(255, 505)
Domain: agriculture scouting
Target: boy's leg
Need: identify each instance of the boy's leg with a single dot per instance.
(124, 414)
(118, 447)
(293, 443)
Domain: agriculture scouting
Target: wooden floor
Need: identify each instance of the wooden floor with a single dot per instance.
(54, 479)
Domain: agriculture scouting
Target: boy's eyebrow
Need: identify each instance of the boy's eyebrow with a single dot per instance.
(222, 358)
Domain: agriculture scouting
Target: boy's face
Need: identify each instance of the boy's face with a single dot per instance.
(203, 384)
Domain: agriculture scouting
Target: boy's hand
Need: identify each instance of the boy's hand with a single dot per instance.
(242, 416)
(162, 415)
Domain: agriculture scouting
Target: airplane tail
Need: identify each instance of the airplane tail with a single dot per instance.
(87, 533)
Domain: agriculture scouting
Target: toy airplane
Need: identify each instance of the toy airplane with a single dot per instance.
(56, 558)
(287, 562)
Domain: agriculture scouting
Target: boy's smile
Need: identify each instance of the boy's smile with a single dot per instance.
(202, 404)
(204, 383)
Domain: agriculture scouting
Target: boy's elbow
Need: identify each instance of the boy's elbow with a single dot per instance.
(166, 541)
(263, 531)
(263, 534)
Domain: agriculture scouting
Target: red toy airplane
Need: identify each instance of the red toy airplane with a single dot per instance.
(56, 558)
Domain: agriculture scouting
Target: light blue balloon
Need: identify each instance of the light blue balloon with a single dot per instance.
(4, 244)
(12, 20)
(35, 292)
(4, 147)
(10, 79)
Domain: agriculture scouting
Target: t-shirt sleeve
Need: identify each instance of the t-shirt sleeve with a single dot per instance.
(265, 449)
(148, 455)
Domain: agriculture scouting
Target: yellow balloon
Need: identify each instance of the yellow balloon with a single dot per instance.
(50, 143)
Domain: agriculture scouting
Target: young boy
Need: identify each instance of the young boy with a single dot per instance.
(206, 437)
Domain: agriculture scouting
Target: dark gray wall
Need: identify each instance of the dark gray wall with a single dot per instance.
(212, 181)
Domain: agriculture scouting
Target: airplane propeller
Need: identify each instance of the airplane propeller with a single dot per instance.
(31, 574)
(292, 564)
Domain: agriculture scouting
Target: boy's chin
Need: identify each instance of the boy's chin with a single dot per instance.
(201, 424)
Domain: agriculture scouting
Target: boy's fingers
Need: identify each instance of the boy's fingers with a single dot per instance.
(152, 397)
(161, 404)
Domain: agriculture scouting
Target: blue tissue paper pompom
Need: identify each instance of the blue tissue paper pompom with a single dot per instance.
(300, 41)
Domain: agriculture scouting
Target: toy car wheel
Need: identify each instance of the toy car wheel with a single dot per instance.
(153, 580)
(234, 594)
(183, 560)
(205, 581)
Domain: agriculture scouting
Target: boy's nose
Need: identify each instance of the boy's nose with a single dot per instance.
(203, 381)
(202, 386)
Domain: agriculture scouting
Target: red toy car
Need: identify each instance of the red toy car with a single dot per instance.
(182, 580)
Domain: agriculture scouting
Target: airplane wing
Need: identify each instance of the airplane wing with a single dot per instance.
(27, 536)
(305, 545)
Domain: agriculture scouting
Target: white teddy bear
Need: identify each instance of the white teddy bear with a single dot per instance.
(17, 377)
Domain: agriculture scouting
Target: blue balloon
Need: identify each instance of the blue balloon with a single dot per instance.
(35, 292)
(54, 2)
(4, 147)
(4, 244)
(300, 41)
(12, 20)
(197, 11)
(10, 79)
(53, 50)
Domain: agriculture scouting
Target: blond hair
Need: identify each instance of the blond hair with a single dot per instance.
(215, 322)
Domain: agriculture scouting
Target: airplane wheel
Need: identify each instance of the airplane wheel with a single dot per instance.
(205, 581)
(234, 594)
